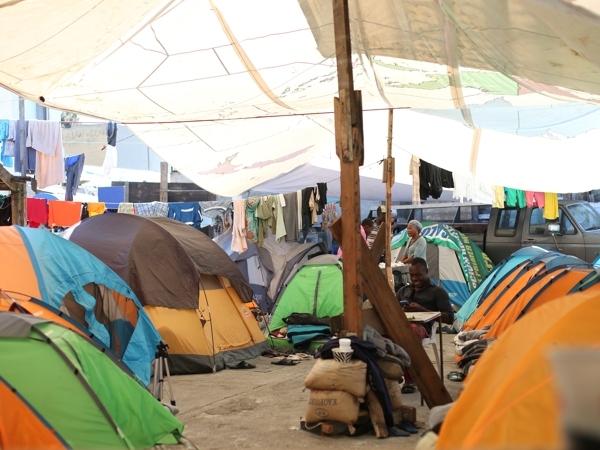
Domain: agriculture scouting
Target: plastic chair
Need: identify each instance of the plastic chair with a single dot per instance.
(432, 341)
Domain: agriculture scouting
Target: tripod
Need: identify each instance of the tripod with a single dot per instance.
(161, 374)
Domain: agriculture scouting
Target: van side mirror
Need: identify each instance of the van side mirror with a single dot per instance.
(553, 228)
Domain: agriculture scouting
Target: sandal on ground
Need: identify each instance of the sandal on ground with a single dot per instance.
(286, 362)
(409, 389)
(456, 376)
(242, 365)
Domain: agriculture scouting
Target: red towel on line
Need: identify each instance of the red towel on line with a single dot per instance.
(37, 212)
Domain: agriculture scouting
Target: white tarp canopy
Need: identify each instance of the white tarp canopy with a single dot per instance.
(234, 93)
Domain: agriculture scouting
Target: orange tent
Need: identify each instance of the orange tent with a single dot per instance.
(21, 427)
(509, 399)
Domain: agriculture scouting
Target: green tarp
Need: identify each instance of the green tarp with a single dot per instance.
(81, 392)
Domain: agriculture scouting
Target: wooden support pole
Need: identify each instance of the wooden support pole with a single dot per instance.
(18, 203)
(389, 182)
(164, 182)
(349, 147)
(396, 324)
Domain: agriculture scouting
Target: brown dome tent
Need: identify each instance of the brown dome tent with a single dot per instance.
(193, 293)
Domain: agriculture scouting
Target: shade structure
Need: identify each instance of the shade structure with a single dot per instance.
(78, 389)
(194, 294)
(21, 426)
(314, 288)
(74, 282)
(501, 404)
(454, 260)
(206, 80)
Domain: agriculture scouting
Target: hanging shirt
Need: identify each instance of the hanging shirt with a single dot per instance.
(551, 206)
(499, 197)
(251, 221)
(278, 204)
(238, 243)
(535, 199)
(265, 217)
(126, 208)
(110, 160)
(63, 214)
(290, 216)
(37, 212)
(515, 198)
(186, 212)
(470, 189)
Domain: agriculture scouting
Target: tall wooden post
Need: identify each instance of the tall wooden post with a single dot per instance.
(390, 165)
(164, 182)
(349, 148)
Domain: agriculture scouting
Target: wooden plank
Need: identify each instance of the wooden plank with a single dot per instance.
(7, 178)
(389, 182)
(396, 325)
(349, 148)
(164, 182)
(18, 201)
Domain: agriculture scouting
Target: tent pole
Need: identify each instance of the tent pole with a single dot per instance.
(389, 182)
(349, 148)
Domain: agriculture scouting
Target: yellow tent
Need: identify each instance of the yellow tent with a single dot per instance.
(509, 400)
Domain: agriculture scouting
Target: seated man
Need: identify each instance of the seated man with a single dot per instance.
(423, 296)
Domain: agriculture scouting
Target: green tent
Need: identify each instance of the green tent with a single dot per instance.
(78, 389)
(314, 288)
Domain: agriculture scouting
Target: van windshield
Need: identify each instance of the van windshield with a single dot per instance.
(586, 216)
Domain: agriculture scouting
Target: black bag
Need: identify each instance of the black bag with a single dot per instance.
(305, 319)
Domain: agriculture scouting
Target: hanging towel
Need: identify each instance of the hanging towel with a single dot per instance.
(37, 212)
(96, 208)
(499, 197)
(515, 198)
(251, 222)
(63, 214)
(239, 243)
(46, 138)
(290, 216)
(535, 199)
(126, 208)
(551, 206)
(278, 204)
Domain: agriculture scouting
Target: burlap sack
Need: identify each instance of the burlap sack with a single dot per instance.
(391, 370)
(331, 406)
(395, 392)
(330, 375)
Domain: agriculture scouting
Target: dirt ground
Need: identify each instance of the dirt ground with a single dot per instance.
(262, 407)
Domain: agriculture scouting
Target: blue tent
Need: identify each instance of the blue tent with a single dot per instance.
(72, 280)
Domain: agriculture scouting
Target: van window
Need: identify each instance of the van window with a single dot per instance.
(537, 223)
(585, 216)
(507, 222)
(566, 226)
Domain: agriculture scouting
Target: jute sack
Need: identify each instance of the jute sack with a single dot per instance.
(391, 370)
(395, 392)
(330, 375)
(335, 406)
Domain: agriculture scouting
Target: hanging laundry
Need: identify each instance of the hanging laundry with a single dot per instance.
(186, 212)
(251, 221)
(9, 149)
(299, 198)
(152, 209)
(468, 188)
(550, 206)
(290, 216)
(7, 160)
(414, 171)
(84, 211)
(499, 197)
(265, 217)
(239, 243)
(322, 197)
(515, 198)
(535, 199)
(46, 138)
(37, 212)
(430, 180)
(73, 169)
(96, 208)
(278, 205)
(24, 161)
(126, 208)
(111, 134)
(63, 214)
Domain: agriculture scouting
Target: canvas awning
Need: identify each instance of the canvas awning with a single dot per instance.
(235, 93)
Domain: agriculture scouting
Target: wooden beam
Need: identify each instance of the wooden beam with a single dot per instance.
(18, 200)
(7, 178)
(164, 182)
(396, 325)
(349, 148)
(390, 164)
